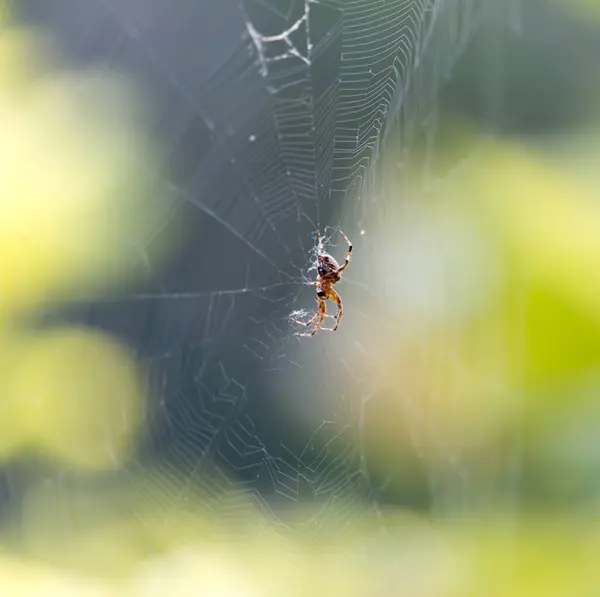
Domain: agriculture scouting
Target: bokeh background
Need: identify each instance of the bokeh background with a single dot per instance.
(164, 171)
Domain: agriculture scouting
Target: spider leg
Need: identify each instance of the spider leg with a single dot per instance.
(337, 299)
(307, 323)
(317, 314)
(326, 314)
(320, 314)
(320, 240)
(350, 247)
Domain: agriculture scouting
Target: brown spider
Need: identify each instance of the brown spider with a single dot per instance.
(328, 273)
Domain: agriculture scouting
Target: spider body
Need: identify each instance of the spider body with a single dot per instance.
(329, 272)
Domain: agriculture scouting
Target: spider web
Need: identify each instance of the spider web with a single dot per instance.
(276, 116)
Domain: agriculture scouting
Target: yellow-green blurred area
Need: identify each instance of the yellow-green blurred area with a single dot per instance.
(490, 324)
(586, 9)
(76, 178)
(497, 332)
(116, 545)
(77, 204)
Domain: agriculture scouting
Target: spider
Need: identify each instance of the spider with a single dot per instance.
(328, 273)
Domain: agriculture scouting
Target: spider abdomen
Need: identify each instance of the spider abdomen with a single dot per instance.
(327, 265)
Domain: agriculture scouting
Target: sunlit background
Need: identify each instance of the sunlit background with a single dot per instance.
(165, 169)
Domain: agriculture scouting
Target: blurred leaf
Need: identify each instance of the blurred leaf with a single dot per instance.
(75, 394)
